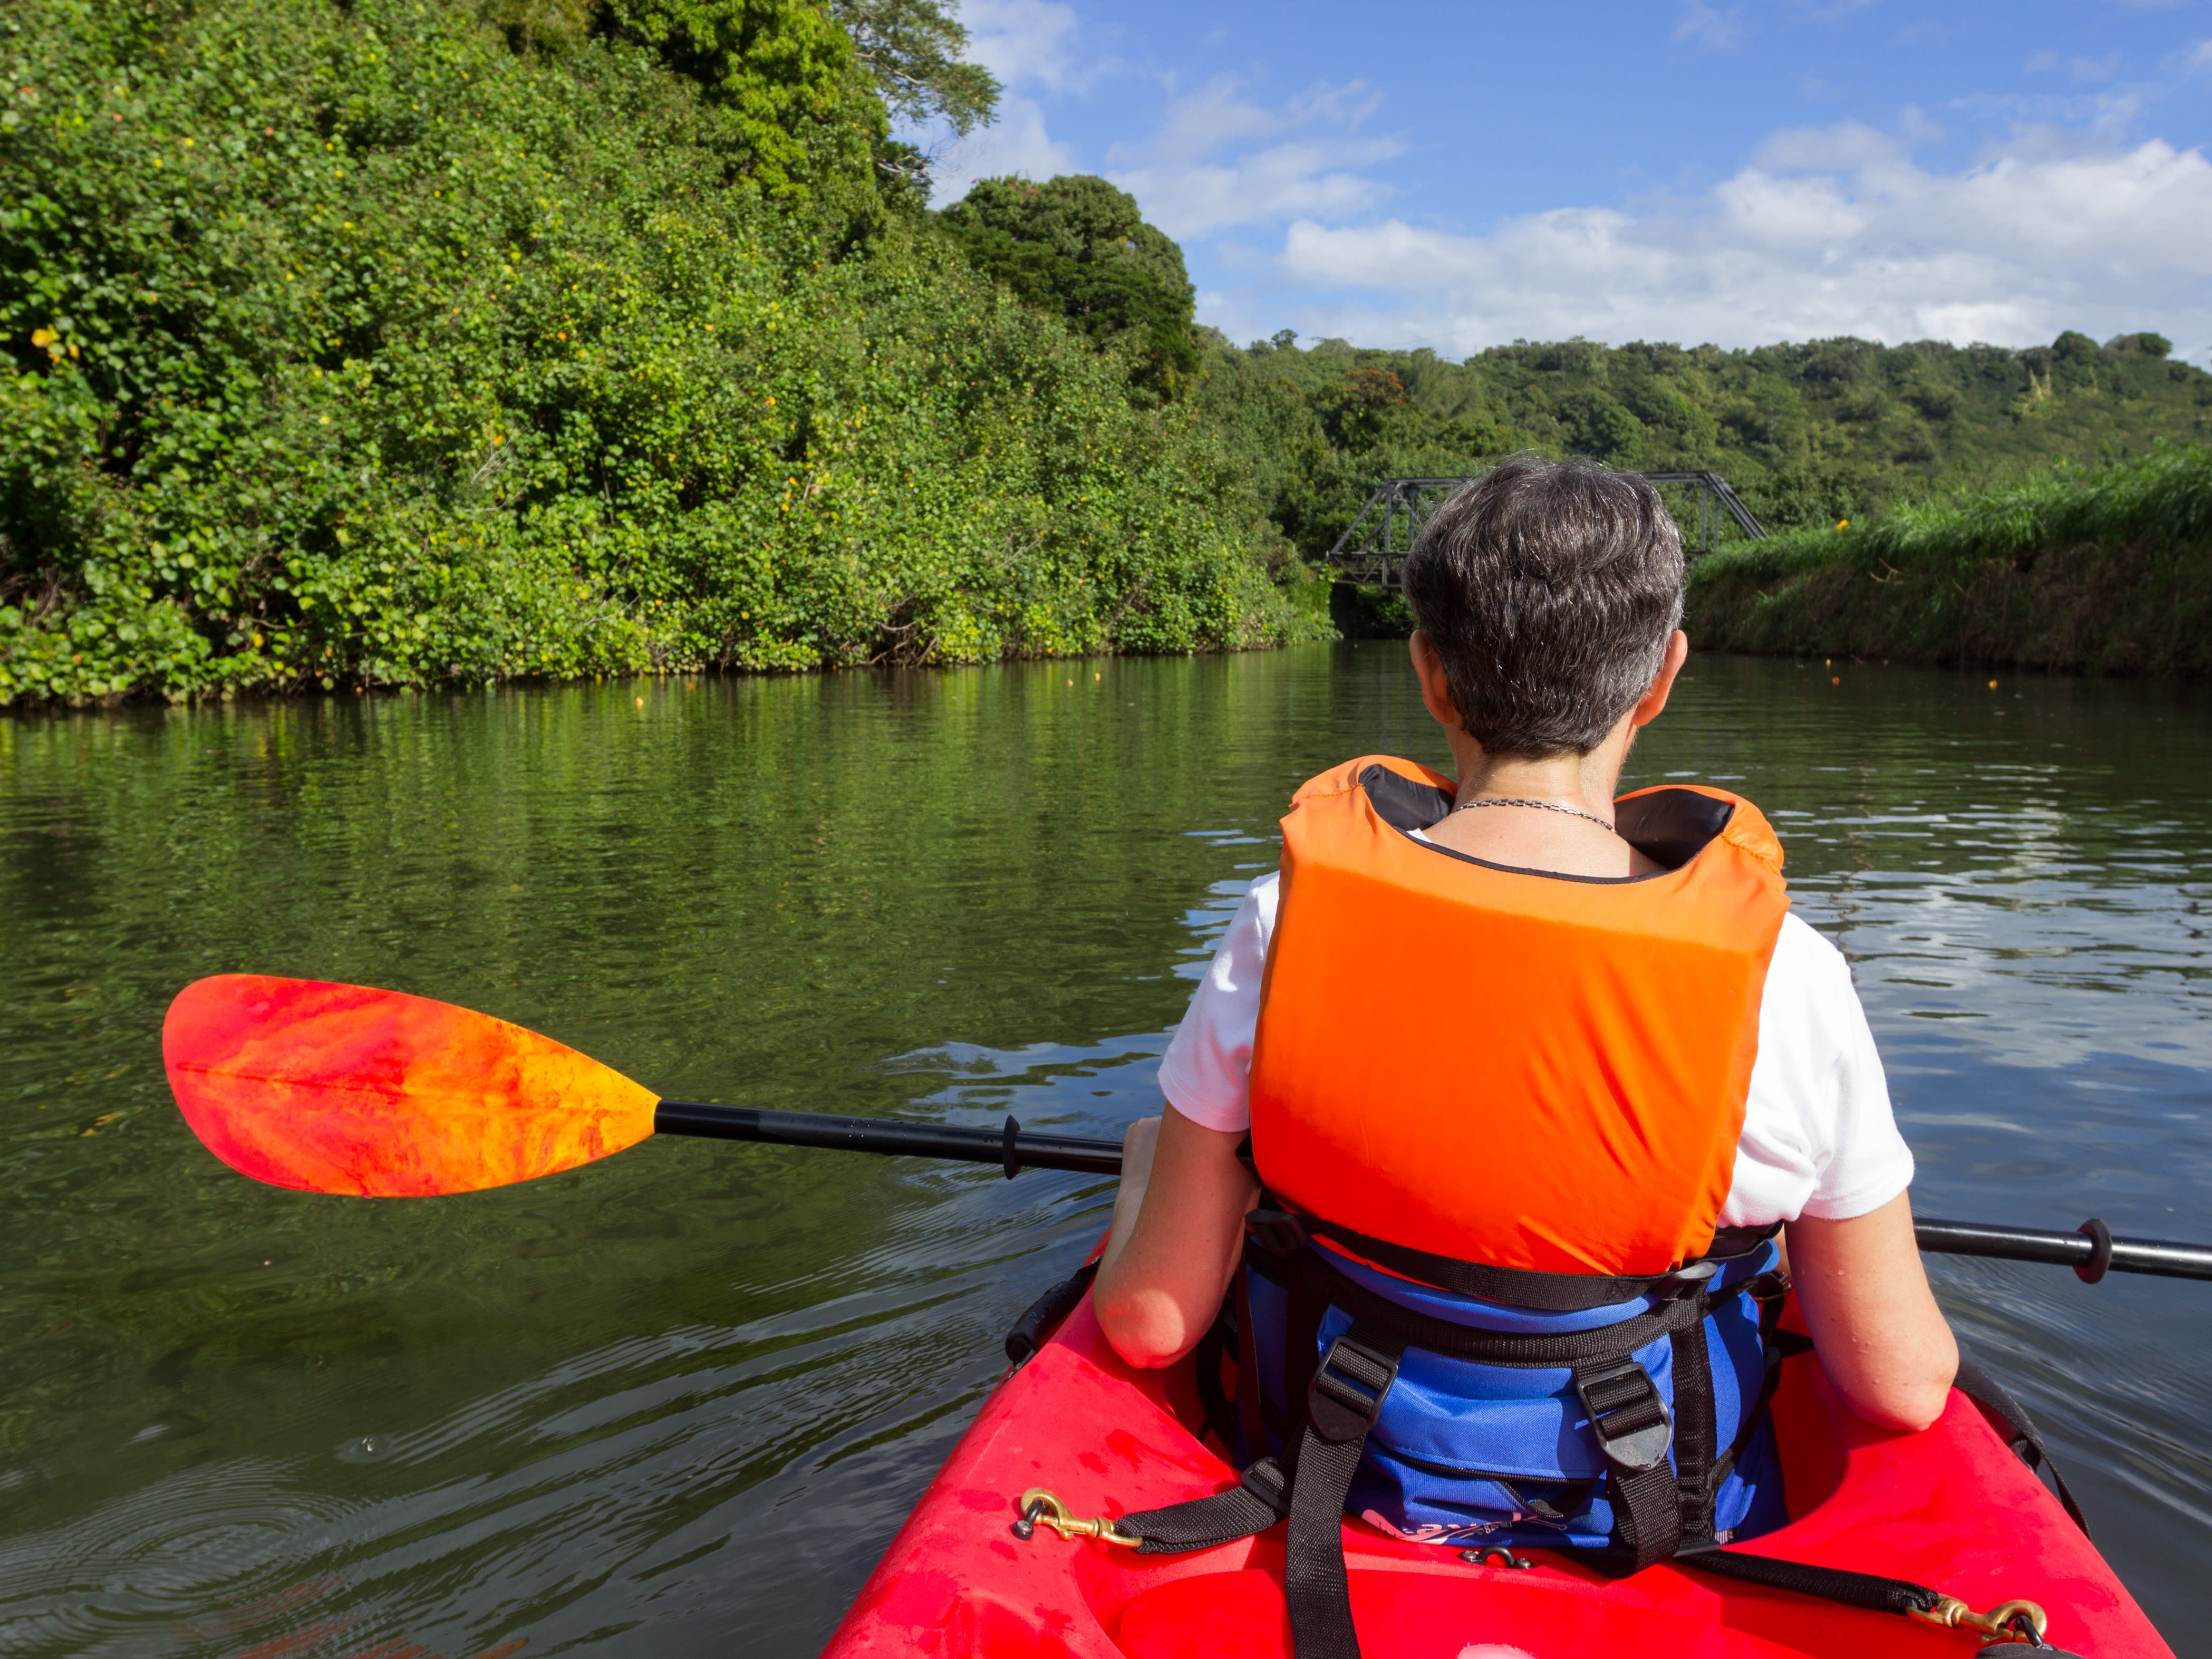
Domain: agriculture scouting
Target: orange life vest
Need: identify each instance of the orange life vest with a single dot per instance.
(1502, 1066)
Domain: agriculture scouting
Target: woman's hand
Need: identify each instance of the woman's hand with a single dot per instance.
(1178, 1234)
(1874, 1323)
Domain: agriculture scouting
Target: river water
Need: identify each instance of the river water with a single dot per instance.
(677, 1403)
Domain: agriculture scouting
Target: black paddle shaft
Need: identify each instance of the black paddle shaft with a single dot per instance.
(1014, 1149)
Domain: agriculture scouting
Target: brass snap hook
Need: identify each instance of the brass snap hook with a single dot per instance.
(2001, 1623)
(1036, 1504)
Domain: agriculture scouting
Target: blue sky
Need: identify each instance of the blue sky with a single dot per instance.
(1459, 175)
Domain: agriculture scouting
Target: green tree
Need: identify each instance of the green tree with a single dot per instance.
(1078, 245)
(353, 345)
(791, 100)
(912, 49)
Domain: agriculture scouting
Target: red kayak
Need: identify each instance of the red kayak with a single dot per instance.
(1951, 1508)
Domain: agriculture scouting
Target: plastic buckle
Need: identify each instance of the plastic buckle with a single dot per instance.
(1348, 1390)
(1264, 1480)
(1277, 1230)
(1633, 1422)
(1688, 1280)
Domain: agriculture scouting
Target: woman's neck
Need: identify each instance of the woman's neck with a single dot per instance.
(1534, 837)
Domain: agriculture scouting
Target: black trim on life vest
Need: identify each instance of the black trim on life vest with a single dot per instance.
(1670, 826)
(1319, 1284)
(1275, 1228)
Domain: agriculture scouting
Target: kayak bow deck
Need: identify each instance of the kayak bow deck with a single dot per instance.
(1951, 1507)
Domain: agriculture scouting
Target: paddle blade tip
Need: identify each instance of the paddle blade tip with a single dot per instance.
(324, 1087)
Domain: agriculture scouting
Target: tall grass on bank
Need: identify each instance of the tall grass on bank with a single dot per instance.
(2106, 571)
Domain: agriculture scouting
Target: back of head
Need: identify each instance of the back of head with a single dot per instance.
(1549, 590)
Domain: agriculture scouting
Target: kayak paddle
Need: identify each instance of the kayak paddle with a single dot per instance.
(329, 1088)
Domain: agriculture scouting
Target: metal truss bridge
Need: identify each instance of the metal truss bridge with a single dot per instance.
(1372, 552)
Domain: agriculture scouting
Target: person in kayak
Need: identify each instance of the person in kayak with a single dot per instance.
(1500, 1087)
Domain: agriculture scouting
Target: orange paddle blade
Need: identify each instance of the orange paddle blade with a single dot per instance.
(343, 1088)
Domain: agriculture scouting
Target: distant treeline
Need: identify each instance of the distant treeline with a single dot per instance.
(1808, 434)
(2106, 571)
(354, 342)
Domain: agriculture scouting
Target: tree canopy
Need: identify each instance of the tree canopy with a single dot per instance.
(1077, 245)
(376, 343)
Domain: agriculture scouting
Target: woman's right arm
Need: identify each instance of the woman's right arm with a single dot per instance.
(1874, 1323)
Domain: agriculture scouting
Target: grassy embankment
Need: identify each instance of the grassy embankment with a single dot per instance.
(2104, 571)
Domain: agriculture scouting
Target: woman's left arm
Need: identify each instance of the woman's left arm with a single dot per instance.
(1178, 1235)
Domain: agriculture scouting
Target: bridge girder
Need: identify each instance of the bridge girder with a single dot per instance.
(1377, 556)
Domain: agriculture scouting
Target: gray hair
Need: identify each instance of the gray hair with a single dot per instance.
(1549, 590)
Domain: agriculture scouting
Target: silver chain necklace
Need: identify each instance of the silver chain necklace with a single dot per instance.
(1547, 805)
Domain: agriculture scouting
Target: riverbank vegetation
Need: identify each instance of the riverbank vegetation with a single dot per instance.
(2103, 571)
(380, 343)
(1807, 434)
(438, 342)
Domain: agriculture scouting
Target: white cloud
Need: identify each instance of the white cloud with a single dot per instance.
(1188, 187)
(1016, 143)
(1030, 46)
(1708, 26)
(1022, 40)
(1217, 159)
(1833, 231)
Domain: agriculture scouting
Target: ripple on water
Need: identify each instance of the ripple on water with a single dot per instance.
(191, 1559)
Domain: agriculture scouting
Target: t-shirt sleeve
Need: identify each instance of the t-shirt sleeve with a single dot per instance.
(1207, 1072)
(1819, 1136)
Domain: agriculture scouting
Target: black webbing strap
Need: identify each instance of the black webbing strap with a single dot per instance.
(1634, 1427)
(1547, 1292)
(1349, 1387)
(2010, 1419)
(1350, 1383)
(1258, 1500)
(1696, 1434)
(1770, 1290)
(1308, 1305)
(1852, 1589)
(1322, 1284)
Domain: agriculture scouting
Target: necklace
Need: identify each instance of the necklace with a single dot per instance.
(1547, 805)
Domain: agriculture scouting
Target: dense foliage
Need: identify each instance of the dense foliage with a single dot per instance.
(1079, 246)
(2107, 569)
(381, 343)
(1807, 434)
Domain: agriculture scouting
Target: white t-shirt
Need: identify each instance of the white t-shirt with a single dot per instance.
(1818, 1139)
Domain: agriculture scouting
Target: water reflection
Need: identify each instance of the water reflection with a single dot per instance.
(678, 1401)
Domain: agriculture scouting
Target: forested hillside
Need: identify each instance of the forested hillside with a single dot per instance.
(383, 343)
(1807, 434)
(363, 343)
